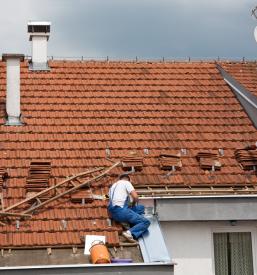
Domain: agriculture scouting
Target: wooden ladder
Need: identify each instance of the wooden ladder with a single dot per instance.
(71, 184)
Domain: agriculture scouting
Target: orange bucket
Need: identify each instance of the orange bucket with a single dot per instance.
(99, 253)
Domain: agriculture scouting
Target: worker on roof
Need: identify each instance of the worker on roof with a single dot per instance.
(124, 211)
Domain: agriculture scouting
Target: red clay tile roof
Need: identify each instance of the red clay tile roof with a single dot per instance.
(78, 109)
(244, 72)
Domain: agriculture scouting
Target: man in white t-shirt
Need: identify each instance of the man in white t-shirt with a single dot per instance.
(122, 209)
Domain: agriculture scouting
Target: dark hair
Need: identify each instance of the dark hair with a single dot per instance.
(124, 176)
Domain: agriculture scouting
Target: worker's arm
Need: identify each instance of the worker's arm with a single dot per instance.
(134, 196)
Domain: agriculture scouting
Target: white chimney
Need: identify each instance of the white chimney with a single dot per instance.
(39, 32)
(13, 108)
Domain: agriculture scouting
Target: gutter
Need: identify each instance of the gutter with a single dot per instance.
(121, 269)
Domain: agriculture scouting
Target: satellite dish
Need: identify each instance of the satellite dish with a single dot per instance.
(255, 33)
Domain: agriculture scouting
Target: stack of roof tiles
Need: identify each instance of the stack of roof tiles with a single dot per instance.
(130, 162)
(82, 196)
(169, 162)
(38, 177)
(78, 109)
(208, 161)
(247, 158)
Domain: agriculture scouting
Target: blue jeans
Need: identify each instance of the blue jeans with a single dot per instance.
(133, 216)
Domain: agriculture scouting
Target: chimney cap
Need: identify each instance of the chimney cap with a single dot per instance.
(39, 26)
(6, 56)
(41, 23)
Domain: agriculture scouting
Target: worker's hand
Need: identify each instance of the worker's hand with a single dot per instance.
(134, 203)
(134, 196)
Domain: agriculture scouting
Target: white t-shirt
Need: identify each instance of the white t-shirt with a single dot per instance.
(119, 192)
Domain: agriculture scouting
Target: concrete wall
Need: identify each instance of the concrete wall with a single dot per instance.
(207, 209)
(190, 244)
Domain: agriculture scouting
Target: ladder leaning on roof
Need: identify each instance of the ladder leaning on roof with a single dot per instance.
(73, 183)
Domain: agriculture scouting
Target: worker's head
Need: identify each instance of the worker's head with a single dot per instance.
(124, 177)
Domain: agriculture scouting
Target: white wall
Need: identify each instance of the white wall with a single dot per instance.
(191, 244)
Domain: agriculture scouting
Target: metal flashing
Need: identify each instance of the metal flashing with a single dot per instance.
(34, 66)
(13, 121)
(152, 243)
(245, 97)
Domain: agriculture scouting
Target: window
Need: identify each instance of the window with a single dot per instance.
(233, 253)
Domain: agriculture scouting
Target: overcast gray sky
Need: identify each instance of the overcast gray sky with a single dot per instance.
(124, 29)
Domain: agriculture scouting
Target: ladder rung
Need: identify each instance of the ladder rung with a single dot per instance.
(73, 183)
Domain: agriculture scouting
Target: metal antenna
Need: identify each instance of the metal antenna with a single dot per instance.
(254, 11)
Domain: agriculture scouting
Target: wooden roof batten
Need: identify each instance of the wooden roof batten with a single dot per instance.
(208, 190)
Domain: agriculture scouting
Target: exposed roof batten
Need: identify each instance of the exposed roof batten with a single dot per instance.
(245, 97)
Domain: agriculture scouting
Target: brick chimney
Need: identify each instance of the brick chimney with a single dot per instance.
(13, 108)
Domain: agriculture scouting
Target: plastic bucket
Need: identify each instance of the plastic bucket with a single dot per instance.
(99, 253)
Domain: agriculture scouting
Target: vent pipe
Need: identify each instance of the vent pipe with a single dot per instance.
(39, 32)
(13, 108)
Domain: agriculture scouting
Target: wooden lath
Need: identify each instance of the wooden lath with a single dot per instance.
(171, 191)
(61, 189)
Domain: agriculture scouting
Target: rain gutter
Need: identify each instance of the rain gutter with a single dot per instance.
(114, 269)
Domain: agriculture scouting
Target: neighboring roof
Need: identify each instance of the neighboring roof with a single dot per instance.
(244, 72)
(247, 99)
(73, 113)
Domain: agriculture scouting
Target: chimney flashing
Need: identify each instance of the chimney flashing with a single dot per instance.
(38, 66)
(13, 121)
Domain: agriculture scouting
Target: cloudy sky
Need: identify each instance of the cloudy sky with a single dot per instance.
(124, 29)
